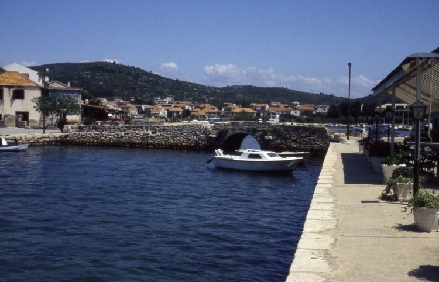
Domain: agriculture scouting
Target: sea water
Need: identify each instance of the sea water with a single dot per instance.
(124, 214)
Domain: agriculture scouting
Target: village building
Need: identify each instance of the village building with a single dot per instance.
(26, 72)
(160, 101)
(159, 112)
(306, 109)
(261, 109)
(321, 109)
(59, 88)
(16, 106)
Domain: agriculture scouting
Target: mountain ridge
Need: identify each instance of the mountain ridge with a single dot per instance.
(106, 79)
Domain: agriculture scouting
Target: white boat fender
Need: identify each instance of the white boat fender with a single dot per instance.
(4, 143)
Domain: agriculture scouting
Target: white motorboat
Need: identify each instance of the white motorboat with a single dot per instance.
(255, 160)
(8, 147)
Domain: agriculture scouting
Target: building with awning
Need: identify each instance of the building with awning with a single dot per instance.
(415, 78)
(95, 113)
(415, 81)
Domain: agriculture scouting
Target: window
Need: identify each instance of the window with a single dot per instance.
(254, 156)
(272, 155)
(18, 94)
(1, 94)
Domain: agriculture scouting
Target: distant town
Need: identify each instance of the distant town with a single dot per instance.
(20, 86)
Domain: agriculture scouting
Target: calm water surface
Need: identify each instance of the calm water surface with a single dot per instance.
(121, 214)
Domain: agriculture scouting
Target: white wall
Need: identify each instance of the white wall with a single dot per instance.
(9, 106)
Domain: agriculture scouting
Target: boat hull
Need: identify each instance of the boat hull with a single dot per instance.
(14, 148)
(254, 165)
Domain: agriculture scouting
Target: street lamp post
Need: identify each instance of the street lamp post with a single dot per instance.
(349, 98)
(369, 133)
(377, 120)
(370, 122)
(388, 114)
(43, 82)
(418, 110)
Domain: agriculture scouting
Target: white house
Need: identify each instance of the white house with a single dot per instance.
(30, 73)
(16, 106)
(167, 100)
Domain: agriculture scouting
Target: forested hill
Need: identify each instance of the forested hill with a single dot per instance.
(104, 79)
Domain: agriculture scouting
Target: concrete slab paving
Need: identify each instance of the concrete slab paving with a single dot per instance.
(322, 206)
(318, 225)
(311, 261)
(316, 241)
(320, 214)
(351, 235)
(305, 277)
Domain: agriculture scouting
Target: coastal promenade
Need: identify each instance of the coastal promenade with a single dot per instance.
(351, 235)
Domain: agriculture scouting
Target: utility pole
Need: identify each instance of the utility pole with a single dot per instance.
(349, 99)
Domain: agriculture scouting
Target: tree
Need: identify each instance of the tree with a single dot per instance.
(186, 113)
(355, 109)
(369, 109)
(334, 112)
(42, 105)
(64, 105)
(58, 103)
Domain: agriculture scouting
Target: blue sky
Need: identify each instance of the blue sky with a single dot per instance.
(302, 45)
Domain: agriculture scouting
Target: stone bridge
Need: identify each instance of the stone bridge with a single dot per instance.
(228, 136)
(275, 137)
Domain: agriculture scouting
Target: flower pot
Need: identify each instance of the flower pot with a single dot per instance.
(388, 171)
(403, 191)
(426, 219)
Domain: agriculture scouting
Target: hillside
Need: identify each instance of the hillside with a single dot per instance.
(104, 79)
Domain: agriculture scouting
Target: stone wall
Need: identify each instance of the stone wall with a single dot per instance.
(35, 139)
(299, 138)
(280, 137)
(185, 136)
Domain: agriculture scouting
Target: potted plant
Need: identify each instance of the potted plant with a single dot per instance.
(400, 185)
(377, 151)
(425, 208)
(390, 163)
(363, 144)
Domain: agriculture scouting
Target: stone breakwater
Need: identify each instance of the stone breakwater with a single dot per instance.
(186, 136)
(189, 136)
(35, 139)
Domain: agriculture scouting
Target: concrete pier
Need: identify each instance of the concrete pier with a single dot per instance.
(351, 235)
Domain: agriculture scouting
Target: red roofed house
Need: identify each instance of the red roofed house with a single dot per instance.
(16, 106)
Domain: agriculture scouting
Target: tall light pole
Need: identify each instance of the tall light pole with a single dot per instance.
(349, 98)
(388, 114)
(43, 81)
(418, 110)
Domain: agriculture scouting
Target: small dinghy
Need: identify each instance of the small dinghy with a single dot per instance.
(12, 147)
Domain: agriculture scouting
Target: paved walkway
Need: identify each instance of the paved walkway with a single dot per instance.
(350, 235)
(15, 131)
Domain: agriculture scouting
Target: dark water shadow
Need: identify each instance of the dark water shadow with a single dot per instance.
(357, 170)
(425, 273)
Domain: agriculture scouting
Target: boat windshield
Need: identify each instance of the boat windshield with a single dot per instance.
(272, 154)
